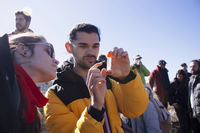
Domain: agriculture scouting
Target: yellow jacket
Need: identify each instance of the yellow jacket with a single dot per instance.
(70, 115)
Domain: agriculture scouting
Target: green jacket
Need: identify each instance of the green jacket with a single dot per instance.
(143, 71)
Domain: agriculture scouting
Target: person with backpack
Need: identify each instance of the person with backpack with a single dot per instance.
(178, 96)
(33, 61)
(148, 122)
(155, 119)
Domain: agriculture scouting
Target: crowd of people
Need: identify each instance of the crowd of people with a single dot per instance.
(182, 93)
(85, 96)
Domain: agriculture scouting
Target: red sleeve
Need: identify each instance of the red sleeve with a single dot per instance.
(151, 79)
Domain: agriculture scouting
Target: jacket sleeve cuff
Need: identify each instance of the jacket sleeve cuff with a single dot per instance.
(95, 113)
(131, 76)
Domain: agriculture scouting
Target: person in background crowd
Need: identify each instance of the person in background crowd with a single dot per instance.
(148, 122)
(23, 20)
(184, 68)
(83, 99)
(177, 97)
(139, 67)
(194, 95)
(34, 61)
(102, 58)
(159, 82)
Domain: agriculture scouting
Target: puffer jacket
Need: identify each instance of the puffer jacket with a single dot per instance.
(196, 90)
(156, 74)
(179, 96)
(69, 99)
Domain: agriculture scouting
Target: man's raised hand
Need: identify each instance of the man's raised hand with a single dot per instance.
(96, 84)
(120, 64)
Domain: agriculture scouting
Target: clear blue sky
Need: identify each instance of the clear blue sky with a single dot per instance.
(155, 29)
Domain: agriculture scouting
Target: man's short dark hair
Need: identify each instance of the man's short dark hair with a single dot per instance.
(183, 64)
(25, 14)
(196, 62)
(83, 27)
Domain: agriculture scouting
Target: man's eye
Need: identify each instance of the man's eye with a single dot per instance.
(96, 46)
(82, 46)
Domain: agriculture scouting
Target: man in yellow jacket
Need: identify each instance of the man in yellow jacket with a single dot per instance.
(83, 99)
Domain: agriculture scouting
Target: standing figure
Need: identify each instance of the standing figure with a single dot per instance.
(83, 99)
(194, 95)
(177, 97)
(139, 67)
(184, 68)
(22, 22)
(159, 82)
(31, 60)
(148, 122)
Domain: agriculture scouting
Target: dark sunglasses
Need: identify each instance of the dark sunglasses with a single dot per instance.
(49, 45)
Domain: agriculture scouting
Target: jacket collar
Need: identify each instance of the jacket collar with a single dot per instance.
(66, 74)
(160, 69)
(193, 77)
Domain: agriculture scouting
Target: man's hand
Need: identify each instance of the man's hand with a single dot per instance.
(140, 63)
(96, 84)
(120, 64)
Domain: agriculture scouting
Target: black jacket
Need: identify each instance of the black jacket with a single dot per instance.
(9, 96)
(179, 96)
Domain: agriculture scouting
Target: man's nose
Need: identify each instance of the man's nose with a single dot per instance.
(90, 51)
(17, 21)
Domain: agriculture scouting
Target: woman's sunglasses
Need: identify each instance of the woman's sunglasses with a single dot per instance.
(49, 45)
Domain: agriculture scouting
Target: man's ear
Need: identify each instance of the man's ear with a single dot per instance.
(68, 47)
(22, 49)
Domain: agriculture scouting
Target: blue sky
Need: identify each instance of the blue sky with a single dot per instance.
(155, 29)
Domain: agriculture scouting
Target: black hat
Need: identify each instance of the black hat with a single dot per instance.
(183, 64)
(162, 62)
(102, 57)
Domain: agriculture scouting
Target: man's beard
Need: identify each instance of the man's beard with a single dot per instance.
(196, 72)
(23, 28)
(83, 65)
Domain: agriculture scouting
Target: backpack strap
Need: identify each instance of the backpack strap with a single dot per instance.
(142, 117)
(128, 122)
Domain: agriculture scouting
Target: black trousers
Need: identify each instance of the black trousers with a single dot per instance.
(183, 119)
(195, 125)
